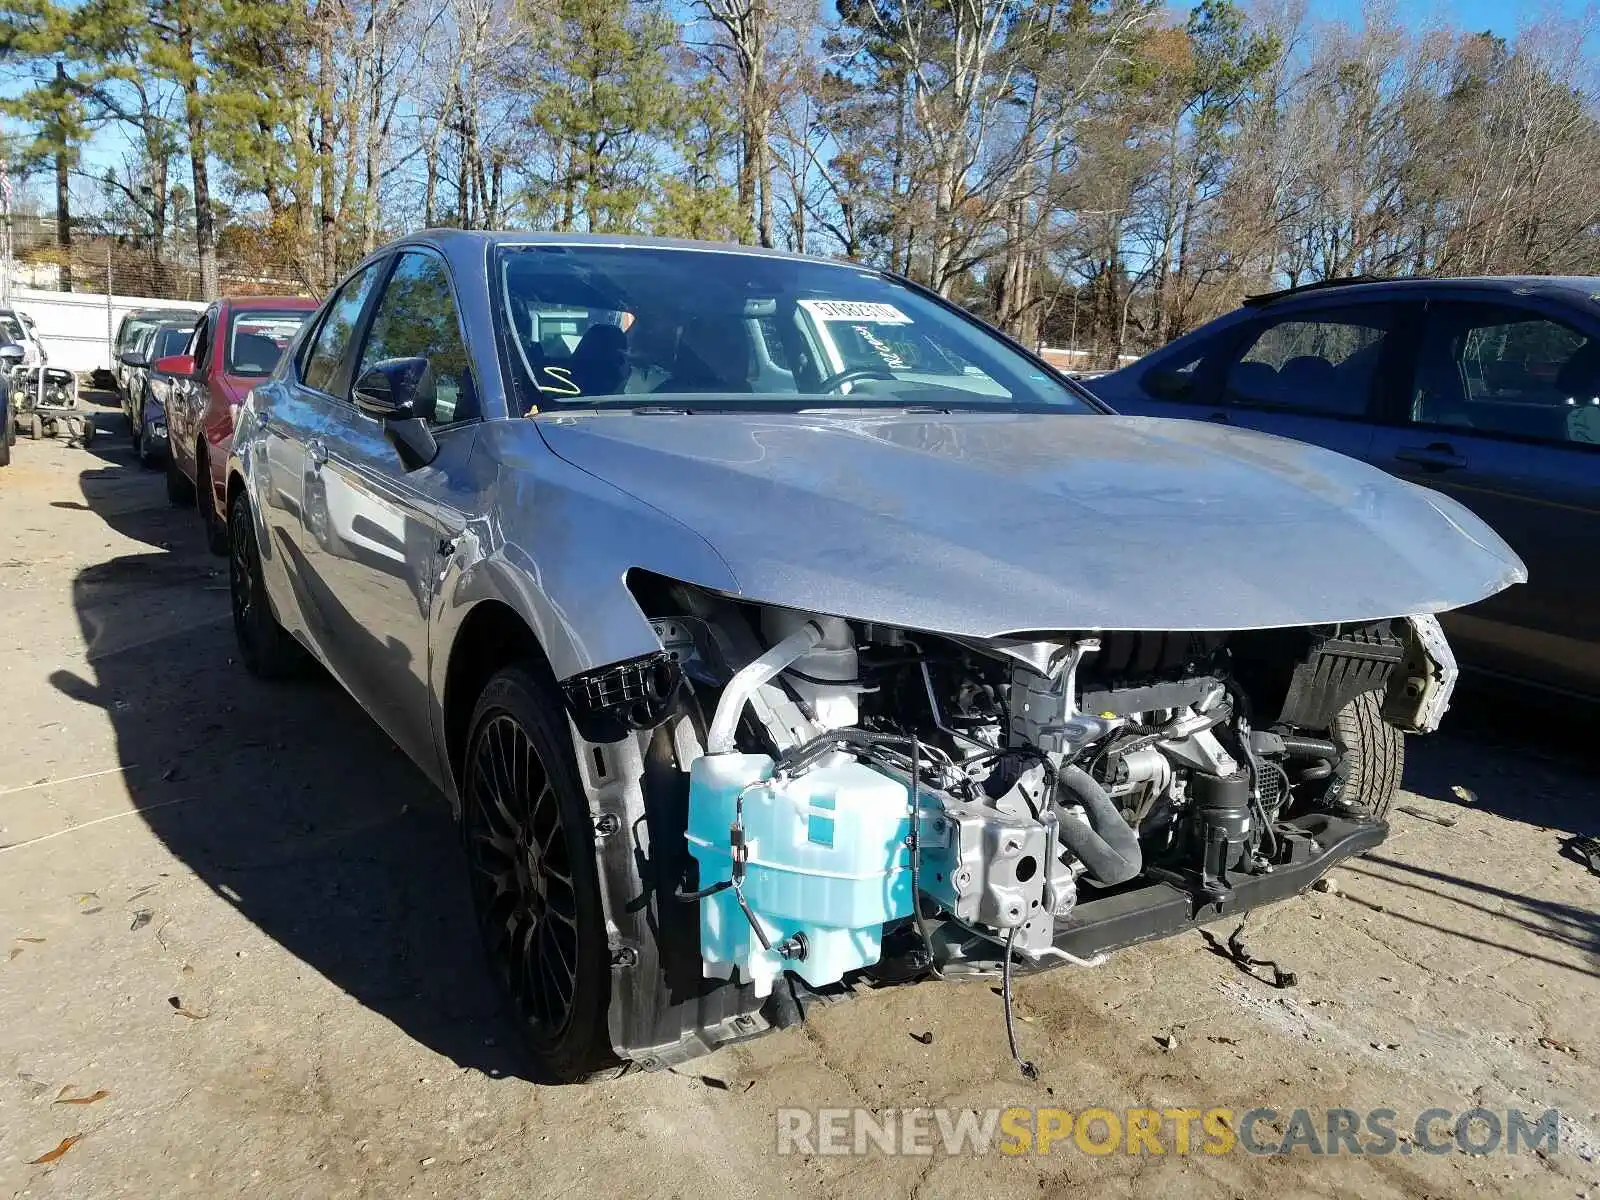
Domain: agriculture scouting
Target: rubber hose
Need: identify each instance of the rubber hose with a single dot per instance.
(1107, 845)
(1298, 746)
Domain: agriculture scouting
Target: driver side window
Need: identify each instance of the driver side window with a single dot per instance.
(416, 318)
(1319, 363)
(201, 344)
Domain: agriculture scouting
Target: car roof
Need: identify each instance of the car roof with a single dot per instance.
(160, 314)
(456, 239)
(269, 303)
(1583, 289)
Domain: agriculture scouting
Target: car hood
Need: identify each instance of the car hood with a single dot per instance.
(985, 524)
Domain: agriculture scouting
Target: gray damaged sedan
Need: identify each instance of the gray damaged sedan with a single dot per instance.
(681, 569)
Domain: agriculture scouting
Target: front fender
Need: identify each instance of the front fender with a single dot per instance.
(555, 546)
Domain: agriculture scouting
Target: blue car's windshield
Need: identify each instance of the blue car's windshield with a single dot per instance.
(633, 325)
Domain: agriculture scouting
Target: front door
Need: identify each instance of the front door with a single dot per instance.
(1312, 374)
(188, 397)
(376, 534)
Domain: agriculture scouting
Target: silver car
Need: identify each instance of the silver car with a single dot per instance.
(682, 569)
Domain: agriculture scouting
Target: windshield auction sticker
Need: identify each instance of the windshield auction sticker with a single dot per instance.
(855, 310)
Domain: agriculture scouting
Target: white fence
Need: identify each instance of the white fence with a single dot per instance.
(77, 328)
(1077, 360)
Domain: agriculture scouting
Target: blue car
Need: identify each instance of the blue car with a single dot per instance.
(1485, 389)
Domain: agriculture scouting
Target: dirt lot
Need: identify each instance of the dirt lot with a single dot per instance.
(237, 912)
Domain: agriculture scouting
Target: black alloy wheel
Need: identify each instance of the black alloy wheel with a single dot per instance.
(535, 888)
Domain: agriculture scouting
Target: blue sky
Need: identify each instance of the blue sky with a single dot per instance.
(1499, 16)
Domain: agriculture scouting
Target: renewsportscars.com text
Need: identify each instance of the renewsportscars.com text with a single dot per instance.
(1134, 1131)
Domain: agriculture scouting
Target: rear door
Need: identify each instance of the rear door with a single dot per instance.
(376, 534)
(1502, 412)
(290, 414)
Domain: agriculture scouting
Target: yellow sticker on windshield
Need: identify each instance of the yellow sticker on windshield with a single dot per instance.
(855, 310)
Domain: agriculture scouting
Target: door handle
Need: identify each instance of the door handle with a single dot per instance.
(1220, 417)
(317, 452)
(1435, 456)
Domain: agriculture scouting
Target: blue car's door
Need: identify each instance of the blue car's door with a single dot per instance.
(1313, 373)
(1502, 412)
(1316, 373)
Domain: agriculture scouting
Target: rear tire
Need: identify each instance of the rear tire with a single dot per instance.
(268, 650)
(529, 839)
(1374, 758)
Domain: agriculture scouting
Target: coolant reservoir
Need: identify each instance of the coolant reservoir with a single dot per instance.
(827, 860)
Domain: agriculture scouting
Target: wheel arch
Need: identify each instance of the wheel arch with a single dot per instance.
(490, 635)
(235, 486)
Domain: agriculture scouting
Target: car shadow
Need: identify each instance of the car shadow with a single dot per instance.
(1516, 752)
(285, 800)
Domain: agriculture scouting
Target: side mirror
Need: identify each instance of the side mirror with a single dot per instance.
(11, 355)
(400, 393)
(180, 365)
(132, 358)
(1167, 384)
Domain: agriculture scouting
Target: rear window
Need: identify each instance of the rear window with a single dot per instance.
(168, 342)
(258, 339)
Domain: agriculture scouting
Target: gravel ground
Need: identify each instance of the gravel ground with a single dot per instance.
(239, 915)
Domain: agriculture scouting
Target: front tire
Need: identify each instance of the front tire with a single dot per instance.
(206, 498)
(1374, 758)
(180, 492)
(530, 851)
(147, 456)
(268, 651)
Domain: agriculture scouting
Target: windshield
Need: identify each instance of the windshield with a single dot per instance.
(133, 332)
(10, 329)
(257, 340)
(611, 325)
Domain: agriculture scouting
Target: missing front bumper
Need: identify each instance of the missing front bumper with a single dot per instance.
(1161, 909)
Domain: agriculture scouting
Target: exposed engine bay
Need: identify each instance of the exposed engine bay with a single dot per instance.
(1050, 773)
(1075, 793)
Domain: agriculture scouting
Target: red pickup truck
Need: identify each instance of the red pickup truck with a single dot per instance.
(236, 344)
